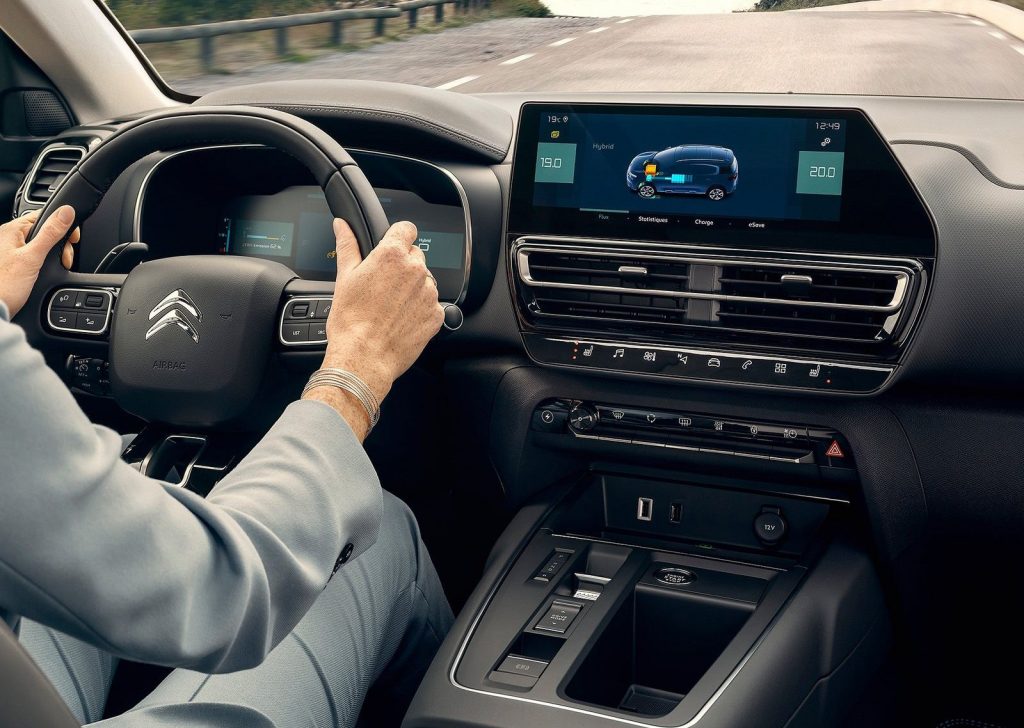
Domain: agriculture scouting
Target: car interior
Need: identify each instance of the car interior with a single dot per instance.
(676, 468)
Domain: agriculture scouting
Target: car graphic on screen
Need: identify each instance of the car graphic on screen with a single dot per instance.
(689, 169)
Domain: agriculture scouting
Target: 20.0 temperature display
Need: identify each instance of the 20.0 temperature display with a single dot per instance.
(826, 172)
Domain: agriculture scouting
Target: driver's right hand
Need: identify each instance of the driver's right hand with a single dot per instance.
(385, 311)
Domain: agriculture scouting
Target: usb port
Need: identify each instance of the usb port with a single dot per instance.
(644, 509)
(675, 512)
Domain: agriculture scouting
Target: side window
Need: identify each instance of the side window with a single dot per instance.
(696, 169)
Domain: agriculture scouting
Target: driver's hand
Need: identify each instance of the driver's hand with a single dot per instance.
(385, 311)
(20, 261)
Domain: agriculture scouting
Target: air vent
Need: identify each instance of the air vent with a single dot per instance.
(594, 288)
(51, 167)
(654, 294)
(847, 304)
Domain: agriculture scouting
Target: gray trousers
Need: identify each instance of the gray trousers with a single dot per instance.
(380, 620)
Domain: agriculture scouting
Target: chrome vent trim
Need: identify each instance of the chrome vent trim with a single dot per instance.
(896, 302)
(846, 300)
(52, 166)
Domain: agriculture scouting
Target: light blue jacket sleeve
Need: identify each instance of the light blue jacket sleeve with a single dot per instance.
(153, 572)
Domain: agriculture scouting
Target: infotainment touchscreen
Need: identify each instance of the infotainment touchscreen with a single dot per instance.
(705, 174)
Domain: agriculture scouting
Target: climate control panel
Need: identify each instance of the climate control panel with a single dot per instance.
(811, 450)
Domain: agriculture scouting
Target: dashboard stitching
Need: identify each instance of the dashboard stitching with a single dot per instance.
(339, 111)
(966, 154)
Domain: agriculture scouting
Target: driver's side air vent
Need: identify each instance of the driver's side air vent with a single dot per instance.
(625, 291)
(50, 169)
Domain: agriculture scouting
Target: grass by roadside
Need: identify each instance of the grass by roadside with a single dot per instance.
(240, 52)
(771, 5)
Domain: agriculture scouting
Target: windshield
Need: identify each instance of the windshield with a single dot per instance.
(879, 47)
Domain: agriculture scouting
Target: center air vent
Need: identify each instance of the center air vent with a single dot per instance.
(50, 169)
(609, 287)
(641, 293)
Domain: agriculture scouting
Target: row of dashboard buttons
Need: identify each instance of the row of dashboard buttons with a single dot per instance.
(80, 310)
(701, 424)
(304, 321)
(723, 367)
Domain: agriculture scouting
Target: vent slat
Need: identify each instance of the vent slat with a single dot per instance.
(804, 305)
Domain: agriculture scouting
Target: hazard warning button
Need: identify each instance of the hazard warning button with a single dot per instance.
(835, 450)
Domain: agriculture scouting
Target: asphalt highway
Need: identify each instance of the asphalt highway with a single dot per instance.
(889, 53)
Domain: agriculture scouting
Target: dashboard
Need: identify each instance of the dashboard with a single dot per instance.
(862, 264)
(692, 285)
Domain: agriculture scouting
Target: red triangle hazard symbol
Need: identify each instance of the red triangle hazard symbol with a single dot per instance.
(834, 451)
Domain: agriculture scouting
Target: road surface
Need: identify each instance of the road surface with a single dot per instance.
(897, 53)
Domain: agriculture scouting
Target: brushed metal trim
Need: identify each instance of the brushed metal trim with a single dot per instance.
(522, 250)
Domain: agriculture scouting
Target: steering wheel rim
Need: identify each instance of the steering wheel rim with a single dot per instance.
(348, 192)
(171, 376)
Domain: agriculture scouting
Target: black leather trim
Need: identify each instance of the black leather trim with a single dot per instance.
(472, 124)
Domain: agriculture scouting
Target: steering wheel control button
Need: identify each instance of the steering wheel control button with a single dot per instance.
(515, 665)
(91, 322)
(295, 333)
(323, 308)
(92, 300)
(300, 309)
(559, 617)
(675, 576)
(80, 310)
(318, 332)
(62, 320)
(770, 527)
(64, 299)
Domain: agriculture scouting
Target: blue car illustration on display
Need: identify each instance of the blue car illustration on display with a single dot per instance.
(689, 169)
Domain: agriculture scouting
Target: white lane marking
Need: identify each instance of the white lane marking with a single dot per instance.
(599, 30)
(517, 59)
(626, 20)
(456, 82)
(997, 35)
(562, 42)
(975, 21)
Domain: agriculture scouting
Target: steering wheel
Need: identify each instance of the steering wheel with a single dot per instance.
(190, 337)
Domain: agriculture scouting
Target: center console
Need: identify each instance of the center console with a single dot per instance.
(689, 556)
(643, 596)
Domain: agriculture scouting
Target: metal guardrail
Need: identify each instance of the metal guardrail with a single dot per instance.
(207, 32)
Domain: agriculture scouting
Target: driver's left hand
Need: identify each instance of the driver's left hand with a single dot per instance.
(20, 261)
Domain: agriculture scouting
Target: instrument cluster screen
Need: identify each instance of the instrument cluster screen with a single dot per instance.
(293, 226)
